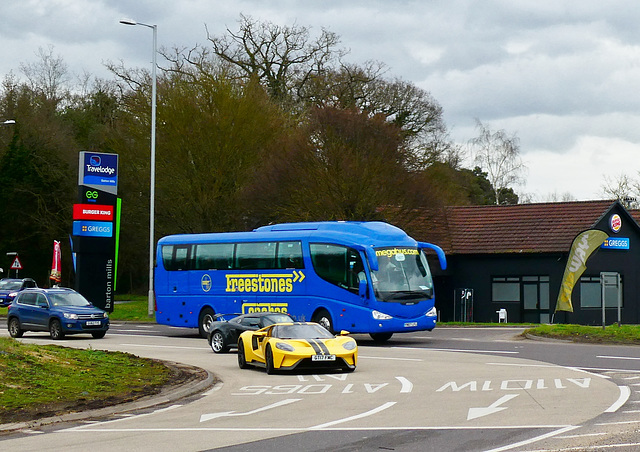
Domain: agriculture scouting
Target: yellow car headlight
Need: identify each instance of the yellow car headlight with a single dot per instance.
(284, 346)
(349, 345)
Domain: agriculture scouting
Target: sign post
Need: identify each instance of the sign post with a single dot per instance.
(611, 280)
(95, 221)
(16, 265)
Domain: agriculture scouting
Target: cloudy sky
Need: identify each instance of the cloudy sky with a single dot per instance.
(564, 76)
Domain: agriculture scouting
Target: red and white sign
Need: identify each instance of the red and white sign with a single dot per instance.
(16, 264)
(92, 212)
(615, 223)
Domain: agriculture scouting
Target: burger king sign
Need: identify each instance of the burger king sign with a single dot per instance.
(615, 223)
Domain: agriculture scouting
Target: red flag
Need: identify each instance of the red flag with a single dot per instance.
(56, 275)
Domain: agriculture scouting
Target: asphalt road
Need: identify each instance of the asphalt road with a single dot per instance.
(466, 389)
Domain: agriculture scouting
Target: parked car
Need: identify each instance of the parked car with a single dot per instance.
(224, 334)
(9, 288)
(58, 311)
(287, 346)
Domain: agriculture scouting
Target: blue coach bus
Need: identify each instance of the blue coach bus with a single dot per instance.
(363, 277)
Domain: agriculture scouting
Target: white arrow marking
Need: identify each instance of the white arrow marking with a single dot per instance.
(493, 408)
(207, 417)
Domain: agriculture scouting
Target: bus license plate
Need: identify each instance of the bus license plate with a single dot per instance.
(410, 324)
(93, 323)
(323, 357)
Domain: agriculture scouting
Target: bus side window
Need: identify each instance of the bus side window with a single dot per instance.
(290, 255)
(338, 265)
(176, 257)
(214, 256)
(256, 256)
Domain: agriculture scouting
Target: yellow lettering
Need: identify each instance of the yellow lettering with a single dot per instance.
(261, 283)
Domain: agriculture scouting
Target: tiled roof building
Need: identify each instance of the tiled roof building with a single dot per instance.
(521, 250)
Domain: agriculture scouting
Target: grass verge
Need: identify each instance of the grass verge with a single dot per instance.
(133, 308)
(39, 381)
(612, 334)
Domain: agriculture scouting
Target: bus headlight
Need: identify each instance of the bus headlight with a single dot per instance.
(432, 312)
(380, 316)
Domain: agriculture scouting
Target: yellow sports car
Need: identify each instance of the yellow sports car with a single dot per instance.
(286, 346)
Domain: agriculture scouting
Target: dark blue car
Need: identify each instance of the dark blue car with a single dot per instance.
(58, 311)
(9, 287)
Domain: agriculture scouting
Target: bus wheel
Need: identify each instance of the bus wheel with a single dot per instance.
(380, 337)
(206, 319)
(324, 319)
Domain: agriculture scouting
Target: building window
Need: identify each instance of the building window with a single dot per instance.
(505, 289)
(591, 293)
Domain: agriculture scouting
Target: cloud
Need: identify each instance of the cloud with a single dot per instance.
(562, 75)
(581, 170)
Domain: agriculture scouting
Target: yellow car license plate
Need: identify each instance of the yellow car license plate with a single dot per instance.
(323, 357)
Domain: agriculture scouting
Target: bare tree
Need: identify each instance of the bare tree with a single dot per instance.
(48, 77)
(622, 188)
(498, 154)
(275, 55)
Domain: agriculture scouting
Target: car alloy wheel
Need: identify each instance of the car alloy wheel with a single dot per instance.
(55, 330)
(14, 328)
(218, 344)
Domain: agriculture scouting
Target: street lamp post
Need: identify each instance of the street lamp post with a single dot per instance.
(152, 194)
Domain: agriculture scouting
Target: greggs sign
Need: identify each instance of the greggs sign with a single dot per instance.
(92, 212)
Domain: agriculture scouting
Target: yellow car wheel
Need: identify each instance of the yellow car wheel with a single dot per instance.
(242, 359)
(269, 361)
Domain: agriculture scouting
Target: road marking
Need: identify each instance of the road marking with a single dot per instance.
(218, 386)
(126, 418)
(618, 357)
(512, 385)
(407, 386)
(463, 350)
(618, 423)
(625, 392)
(583, 435)
(534, 440)
(390, 359)
(583, 448)
(303, 429)
(495, 407)
(208, 417)
(164, 346)
(352, 418)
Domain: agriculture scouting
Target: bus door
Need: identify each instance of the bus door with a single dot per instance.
(177, 274)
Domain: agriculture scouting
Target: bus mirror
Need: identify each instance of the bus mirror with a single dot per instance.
(362, 289)
(441, 257)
